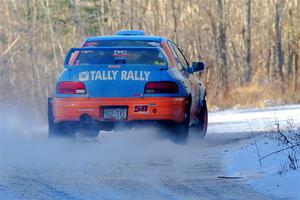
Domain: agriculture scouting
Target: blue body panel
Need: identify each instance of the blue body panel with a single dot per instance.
(109, 83)
(118, 80)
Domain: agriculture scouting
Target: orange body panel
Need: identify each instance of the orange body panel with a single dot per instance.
(167, 50)
(160, 108)
(73, 57)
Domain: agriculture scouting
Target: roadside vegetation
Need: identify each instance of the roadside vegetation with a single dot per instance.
(251, 47)
(286, 139)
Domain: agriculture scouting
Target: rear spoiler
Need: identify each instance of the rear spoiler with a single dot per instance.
(74, 50)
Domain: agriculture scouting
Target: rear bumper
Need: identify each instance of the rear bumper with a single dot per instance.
(160, 108)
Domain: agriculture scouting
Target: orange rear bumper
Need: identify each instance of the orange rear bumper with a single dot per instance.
(160, 108)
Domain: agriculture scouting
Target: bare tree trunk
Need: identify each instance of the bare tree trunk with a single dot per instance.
(278, 16)
(131, 17)
(297, 48)
(214, 33)
(235, 55)
(51, 32)
(100, 20)
(156, 17)
(296, 72)
(77, 18)
(214, 72)
(248, 42)
(269, 60)
(37, 95)
(290, 49)
(290, 60)
(222, 46)
(274, 62)
(175, 36)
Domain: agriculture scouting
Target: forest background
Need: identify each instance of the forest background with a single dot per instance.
(251, 47)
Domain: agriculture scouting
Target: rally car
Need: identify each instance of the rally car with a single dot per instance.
(127, 78)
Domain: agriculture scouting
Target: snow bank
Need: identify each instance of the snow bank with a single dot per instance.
(265, 178)
(229, 121)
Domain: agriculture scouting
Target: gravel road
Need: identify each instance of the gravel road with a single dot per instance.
(135, 164)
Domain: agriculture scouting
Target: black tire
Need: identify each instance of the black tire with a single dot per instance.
(182, 129)
(53, 129)
(63, 129)
(203, 120)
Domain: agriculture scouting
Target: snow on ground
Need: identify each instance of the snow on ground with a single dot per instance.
(244, 161)
(253, 119)
(266, 178)
(139, 164)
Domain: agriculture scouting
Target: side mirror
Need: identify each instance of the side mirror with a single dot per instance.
(198, 66)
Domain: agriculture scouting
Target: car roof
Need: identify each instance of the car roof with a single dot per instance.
(128, 35)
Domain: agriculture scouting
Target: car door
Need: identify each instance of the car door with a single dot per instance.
(183, 66)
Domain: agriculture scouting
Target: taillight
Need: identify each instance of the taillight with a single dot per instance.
(70, 87)
(161, 87)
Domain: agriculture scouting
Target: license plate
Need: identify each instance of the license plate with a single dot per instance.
(114, 113)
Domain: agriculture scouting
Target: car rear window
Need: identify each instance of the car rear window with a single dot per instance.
(121, 56)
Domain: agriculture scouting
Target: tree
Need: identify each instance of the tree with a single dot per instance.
(278, 29)
(222, 45)
(248, 41)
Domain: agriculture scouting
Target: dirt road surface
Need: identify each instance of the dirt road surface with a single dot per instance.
(131, 164)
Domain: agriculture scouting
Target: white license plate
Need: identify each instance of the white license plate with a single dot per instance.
(115, 113)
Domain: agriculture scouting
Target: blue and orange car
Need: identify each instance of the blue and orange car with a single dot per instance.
(127, 79)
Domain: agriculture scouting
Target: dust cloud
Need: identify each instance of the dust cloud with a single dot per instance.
(25, 144)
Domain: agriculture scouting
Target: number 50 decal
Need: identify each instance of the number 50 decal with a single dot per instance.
(141, 108)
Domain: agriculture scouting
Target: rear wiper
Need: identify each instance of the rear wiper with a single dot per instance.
(120, 61)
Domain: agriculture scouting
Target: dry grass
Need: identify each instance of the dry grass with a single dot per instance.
(257, 94)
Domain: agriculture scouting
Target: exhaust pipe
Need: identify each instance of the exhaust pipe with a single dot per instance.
(85, 119)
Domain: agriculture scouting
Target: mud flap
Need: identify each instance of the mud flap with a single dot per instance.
(58, 129)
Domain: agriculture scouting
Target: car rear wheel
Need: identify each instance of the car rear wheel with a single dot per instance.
(63, 129)
(203, 119)
(181, 130)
